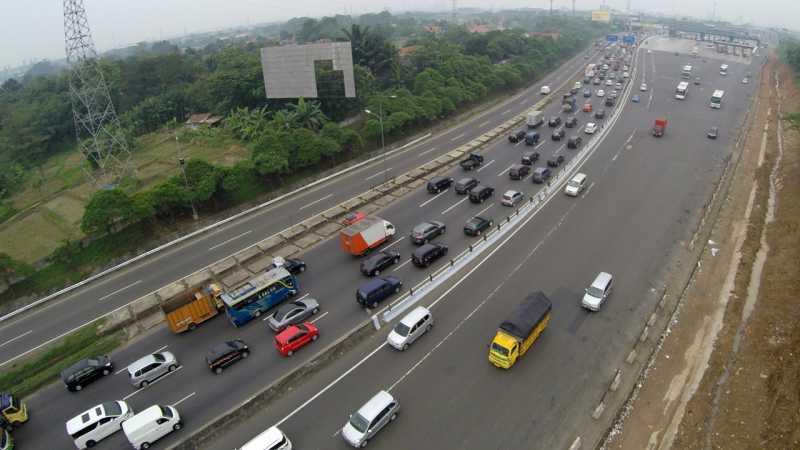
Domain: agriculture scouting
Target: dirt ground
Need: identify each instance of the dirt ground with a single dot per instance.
(726, 376)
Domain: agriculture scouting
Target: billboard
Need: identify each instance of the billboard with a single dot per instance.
(290, 71)
(612, 38)
(601, 16)
(629, 39)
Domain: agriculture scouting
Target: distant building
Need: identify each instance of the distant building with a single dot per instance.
(435, 29)
(203, 120)
(553, 35)
(478, 28)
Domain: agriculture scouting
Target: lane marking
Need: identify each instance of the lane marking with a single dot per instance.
(116, 292)
(426, 151)
(559, 149)
(540, 144)
(395, 242)
(504, 171)
(457, 137)
(455, 204)
(589, 189)
(374, 175)
(484, 210)
(433, 198)
(152, 383)
(183, 399)
(483, 124)
(487, 165)
(231, 239)
(15, 338)
(401, 265)
(320, 317)
(505, 112)
(331, 195)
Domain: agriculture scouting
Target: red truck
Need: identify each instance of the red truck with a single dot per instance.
(365, 235)
(659, 127)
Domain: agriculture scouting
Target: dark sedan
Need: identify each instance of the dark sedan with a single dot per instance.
(477, 225)
(377, 262)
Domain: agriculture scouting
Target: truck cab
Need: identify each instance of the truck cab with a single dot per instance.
(13, 413)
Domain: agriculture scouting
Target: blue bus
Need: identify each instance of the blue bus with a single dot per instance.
(258, 295)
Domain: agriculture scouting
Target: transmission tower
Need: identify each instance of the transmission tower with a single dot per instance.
(97, 127)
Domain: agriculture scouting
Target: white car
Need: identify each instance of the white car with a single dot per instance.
(577, 85)
(643, 87)
(544, 90)
(745, 80)
(97, 423)
(609, 82)
(511, 198)
(601, 93)
(591, 127)
(625, 75)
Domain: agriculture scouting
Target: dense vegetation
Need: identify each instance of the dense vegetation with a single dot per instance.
(790, 52)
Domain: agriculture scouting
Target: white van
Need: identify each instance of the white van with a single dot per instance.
(151, 425)
(410, 328)
(597, 293)
(576, 185)
(272, 439)
(93, 425)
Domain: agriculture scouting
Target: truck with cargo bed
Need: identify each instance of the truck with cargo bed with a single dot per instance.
(534, 119)
(365, 235)
(520, 330)
(659, 127)
(186, 314)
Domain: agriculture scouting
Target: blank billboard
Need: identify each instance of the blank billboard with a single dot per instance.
(289, 70)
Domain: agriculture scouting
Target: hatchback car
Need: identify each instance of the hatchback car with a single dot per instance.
(438, 184)
(713, 132)
(558, 133)
(426, 231)
(353, 217)
(643, 87)
(587, 92)
(512, 198)
(576, 185)
(426, 254)
(610, 82)
(574, 141)
(635, 99)
(377, 262)
(294, 337)
(554, 121)
(591, 127)
(223, 355)
(477, 225)
(601, 93)
(587, 107)
(85, 371)
(544, 90)
(148, 368)
(597, 293)
(529, 158)
(479, 194)
(600, 114)
(370, 419)
(416, 323)
(518, 171)
(464, 185)
(571, 122)
(292, 313)
(541, 175)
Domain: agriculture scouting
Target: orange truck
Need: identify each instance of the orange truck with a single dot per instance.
(365, 235)
(659, 127)
(202, 305)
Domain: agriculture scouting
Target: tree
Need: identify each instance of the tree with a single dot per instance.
(203, 179)
(106, 209)
(11, 269)
(307, 114)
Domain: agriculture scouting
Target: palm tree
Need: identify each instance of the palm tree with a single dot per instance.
(284, 119)
(308, 114)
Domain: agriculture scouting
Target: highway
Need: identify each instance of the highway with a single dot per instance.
(642, 200)
(32, 329)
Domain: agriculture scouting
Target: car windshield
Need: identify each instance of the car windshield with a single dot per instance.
(421, 228)
(94, 362)
(594, 292)
(402, 329)
(359, 422)
(473, 223)
(283, 310)
(112, 408)
(574, 184)
(159, 357)
(166, 412)
(500, 350)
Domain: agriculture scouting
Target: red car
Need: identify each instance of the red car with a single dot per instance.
(353, 217)
(295, 336)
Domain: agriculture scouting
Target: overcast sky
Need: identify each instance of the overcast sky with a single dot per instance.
(34, 29)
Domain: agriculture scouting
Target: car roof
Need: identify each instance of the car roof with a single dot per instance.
(371, 284)
(220, 349)
(602, 279)
(414, 316)
(467, 180)
(266, 440)
(375, 405)
(143, 418)
(540, 169)
(77, 422)
(425, 248)
(510, 192)
(579, 177)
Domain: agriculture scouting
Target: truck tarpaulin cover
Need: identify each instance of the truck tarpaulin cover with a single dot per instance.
(527, 315)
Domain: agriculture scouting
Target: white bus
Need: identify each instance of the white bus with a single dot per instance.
(686, 73)
(680, 92)
(716, 99)
(723, 70)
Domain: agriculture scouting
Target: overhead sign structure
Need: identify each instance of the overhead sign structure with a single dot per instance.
(612, 38)
(629, 39)
(601, 16)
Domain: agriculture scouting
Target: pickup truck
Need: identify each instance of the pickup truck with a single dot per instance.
(472, 161)
(520, 330)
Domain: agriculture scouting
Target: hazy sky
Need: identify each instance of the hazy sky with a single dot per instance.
(34, 29)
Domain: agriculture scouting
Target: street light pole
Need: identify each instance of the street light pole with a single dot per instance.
(383, 141)
(182, 163)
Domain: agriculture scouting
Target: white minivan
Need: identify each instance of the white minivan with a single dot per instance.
(410, 328)
(272, 439)
(151, 425)
(95, 424)
(576, 185)
(597, 293)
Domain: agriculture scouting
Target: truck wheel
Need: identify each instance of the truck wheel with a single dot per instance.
(90, 443)
(218, 370)
(192, 326)
(145, 445)
(177, 426)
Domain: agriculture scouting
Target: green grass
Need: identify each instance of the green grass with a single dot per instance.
(6, 211)
(26, 377)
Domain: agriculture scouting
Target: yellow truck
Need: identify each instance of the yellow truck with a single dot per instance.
(187, 315)
(520, 330)
(13, 413)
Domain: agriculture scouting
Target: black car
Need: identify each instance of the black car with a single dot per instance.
(427, 254)
(377, 262)
(555, 162)
(223, 355)
(438, 184)
(480, 193)
(294, 266)
(83, 372)
(464, 185)
(374, 291)
(558, 133)
(600, 114)
(518, 171)
(426, 231)
(554, 121)
(529, 158)
(713, 132)
(574, 141)
(610, 101)
(477, 225)
(571, 122)
(516, 137)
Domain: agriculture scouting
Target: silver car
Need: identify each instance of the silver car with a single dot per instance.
(370, 418)
(292, 313)
(148, 368)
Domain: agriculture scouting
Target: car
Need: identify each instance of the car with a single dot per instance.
(587, 107)
(600, 114)
(558, 133)
(416, 323)
(223, 355)
(370, 418)
(541, 174)
(596, 81)
(377, 262)
(426, 231)
(97, 423)
(610, 82)
(480, 193)
(148, 368)
(464, 185)
(85, 371)
(518, 171)
(544, 90)
(643, 87)
(573, 90)
(697, 81)
(626, 74)
(477, 225)
(292, 313)
(438, 184)
(587, 92)
(609, 101)
(571, 122)
(532, 138)
(529, 158)
(635, 99)
(426, 254)
(745, 80)
(601, 93)
(555, 161)
(597, 292)
(293, 265)
(591, 127)
(554, 121)
(511, 198)
(576, 185)
(374, 291)
(618, 86)
(577, 85)
(574, 141)
(516, 137)
(713, 132)
(295, 337)
(353, 217)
